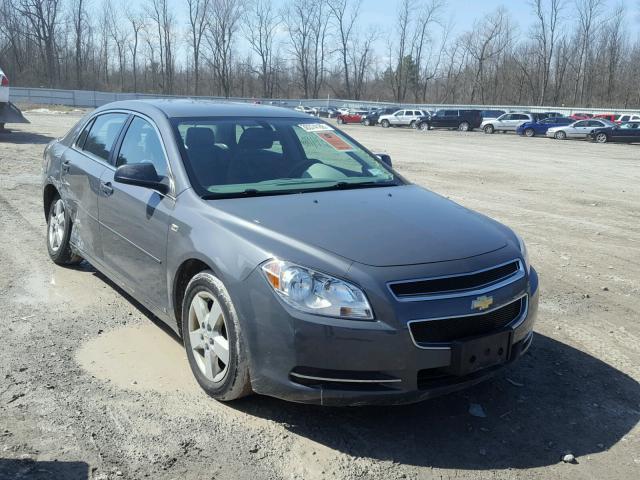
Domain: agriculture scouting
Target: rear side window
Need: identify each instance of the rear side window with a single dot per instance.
(142, 144)
(103, 134)
(451, 113)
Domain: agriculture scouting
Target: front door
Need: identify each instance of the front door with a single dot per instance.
(81, 169)
(134, 221)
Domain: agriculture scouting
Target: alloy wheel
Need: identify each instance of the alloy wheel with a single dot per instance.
(601, 138)
(208, 336)
(57, 224)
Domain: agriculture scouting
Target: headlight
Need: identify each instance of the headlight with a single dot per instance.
(315, 292)
(525, 253)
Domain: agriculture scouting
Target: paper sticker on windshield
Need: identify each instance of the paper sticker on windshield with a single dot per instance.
(335, 141)
(315, 127)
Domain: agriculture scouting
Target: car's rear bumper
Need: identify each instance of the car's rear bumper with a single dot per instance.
(307, 359)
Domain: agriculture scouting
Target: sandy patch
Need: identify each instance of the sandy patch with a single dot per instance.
(138, 357)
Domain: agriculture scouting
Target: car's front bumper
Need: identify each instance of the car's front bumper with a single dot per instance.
(311, 359)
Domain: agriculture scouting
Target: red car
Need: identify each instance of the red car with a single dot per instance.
(351, 117)
(581, 116)
(607, 116)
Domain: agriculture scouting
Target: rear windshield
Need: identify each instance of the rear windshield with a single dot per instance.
(234, 157)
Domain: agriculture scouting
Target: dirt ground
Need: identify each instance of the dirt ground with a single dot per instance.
(92, 387)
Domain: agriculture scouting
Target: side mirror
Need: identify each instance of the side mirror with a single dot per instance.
(386, 159)
(142, 175)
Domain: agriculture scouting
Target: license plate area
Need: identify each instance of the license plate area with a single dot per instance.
(473, 354)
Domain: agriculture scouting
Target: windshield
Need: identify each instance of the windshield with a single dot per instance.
(235, 157)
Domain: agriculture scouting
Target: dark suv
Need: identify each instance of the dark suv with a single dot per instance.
(464, 120)
(372, 117)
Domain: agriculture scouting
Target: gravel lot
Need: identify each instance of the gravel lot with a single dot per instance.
(93, 387)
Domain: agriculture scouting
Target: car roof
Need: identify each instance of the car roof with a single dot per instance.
(188, 107)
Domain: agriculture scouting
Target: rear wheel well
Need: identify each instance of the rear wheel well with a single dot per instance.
(185, 273)
(48, 195)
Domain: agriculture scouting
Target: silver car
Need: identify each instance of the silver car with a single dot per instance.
(292, 261)
(401, 118)
(579, 129)
(509, 122)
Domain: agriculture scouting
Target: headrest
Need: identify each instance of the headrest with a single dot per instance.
(200, 137)
(256, 138)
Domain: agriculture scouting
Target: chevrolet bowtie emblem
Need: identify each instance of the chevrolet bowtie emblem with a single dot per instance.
(482, 303)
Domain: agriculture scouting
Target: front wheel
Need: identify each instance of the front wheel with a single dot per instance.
(464, 127)
(424, 126)
(213, 339)
(413, 124)
(530, 132)
(340, 121)
(385, 123)
(489, 129)
(367, 122)
(59, 233)
(560, 135)
(602, 138)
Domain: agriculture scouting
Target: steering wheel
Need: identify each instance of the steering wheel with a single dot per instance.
(299, 168)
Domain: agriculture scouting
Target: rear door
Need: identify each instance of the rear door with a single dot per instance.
(82, 166)
(134, 221)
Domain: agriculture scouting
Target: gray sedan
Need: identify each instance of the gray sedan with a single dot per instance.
(579, 129)
(292, 261)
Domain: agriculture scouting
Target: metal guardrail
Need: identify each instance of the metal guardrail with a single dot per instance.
(92, 99)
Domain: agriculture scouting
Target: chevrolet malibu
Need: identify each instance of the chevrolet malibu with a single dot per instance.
(292, 261)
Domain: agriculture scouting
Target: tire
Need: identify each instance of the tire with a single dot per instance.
(413, 124)
(385, 123)
(464, 127)
(340, 121)
(561, 135)
(58, 234)
(367, 122)
(489, 129)
(602, 138)
(530, 132)
(212, 334)
(424, 126)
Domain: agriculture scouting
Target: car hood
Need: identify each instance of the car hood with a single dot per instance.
(389, 226)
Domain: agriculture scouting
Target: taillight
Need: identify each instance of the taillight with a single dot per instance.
(4, 81)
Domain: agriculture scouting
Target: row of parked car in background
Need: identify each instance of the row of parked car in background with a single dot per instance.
(601, 128)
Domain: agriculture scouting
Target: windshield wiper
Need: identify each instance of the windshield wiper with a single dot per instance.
(249, 192)
(352, 185)
(252, 192)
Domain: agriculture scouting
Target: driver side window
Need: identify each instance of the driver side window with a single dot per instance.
(141, 144)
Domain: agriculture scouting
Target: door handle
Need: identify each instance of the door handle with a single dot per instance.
(66, 165)
(106, 188)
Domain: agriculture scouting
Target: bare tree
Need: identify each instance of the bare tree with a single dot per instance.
(136, 23)
(306, 22)
(42, 16)
(545, 34)
(588, 21)
(222, 30)
(260, 28)
(164, 22)
(488, 39)
(198, 23)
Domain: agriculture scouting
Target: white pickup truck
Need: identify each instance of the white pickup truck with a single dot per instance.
(9, 113)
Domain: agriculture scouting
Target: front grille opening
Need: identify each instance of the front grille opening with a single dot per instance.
(455, 283)
(449, 329)
(342, 379)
